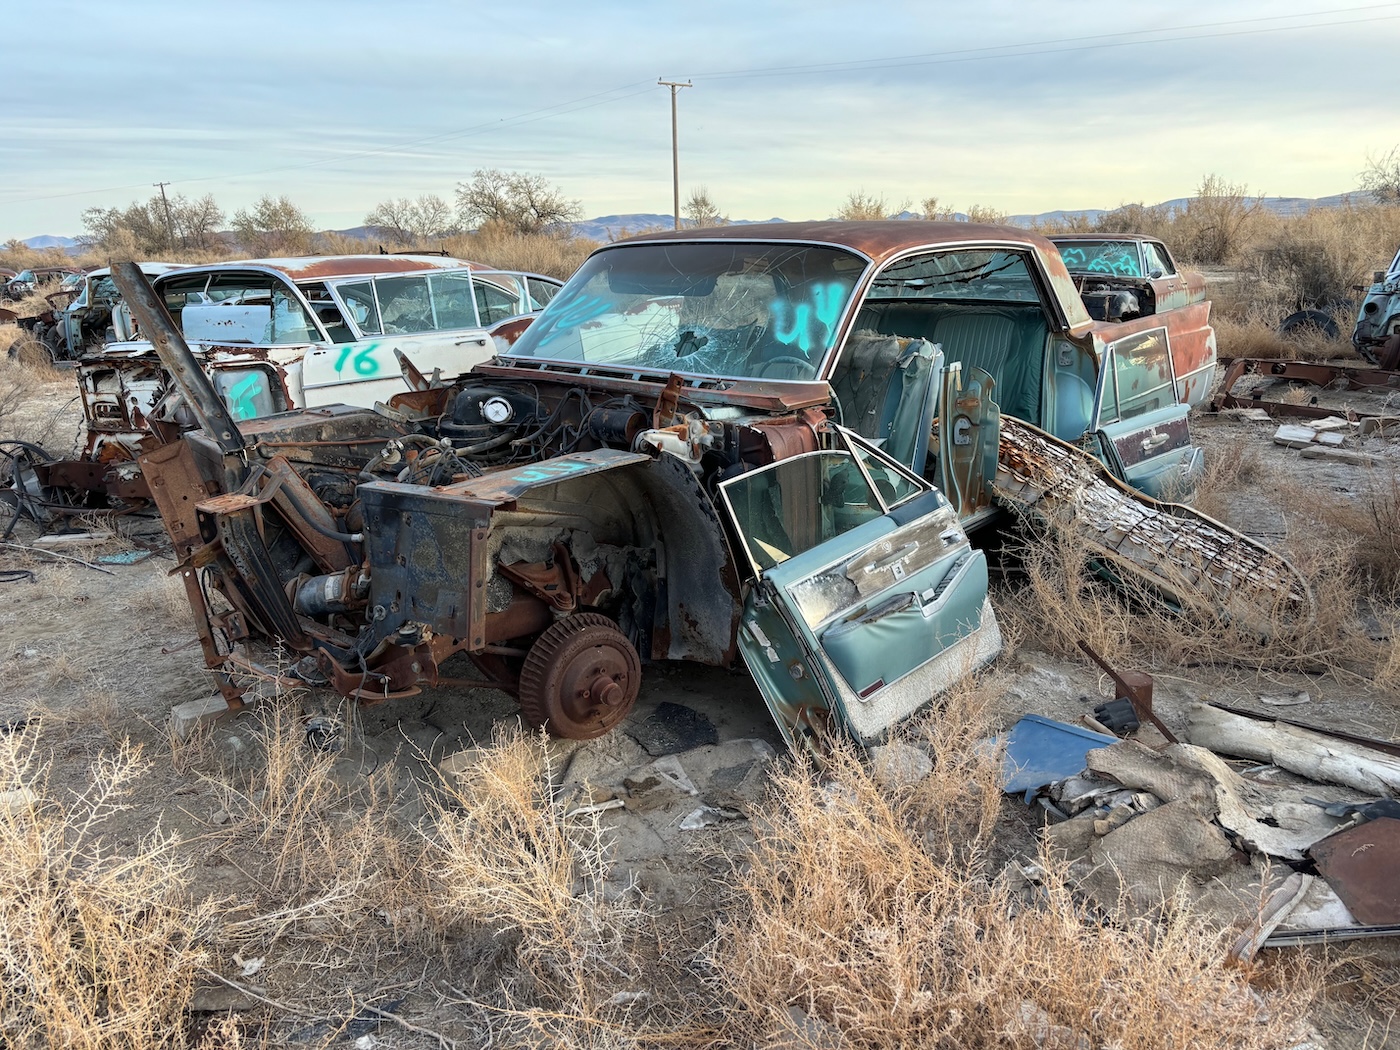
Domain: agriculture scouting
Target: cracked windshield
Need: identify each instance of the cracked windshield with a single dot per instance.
(744, 311)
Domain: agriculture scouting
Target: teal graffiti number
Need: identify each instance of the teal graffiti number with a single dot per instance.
(242, 396)
(364, 362)
(793, 324)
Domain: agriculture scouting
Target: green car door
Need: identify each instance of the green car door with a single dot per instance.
(1141, 427)
(865, 599)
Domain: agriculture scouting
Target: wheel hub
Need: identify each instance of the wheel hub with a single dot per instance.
(581, 677)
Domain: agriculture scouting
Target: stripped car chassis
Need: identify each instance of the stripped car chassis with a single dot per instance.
(1343, 377)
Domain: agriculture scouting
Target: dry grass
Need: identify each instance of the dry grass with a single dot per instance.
(859, 929)
(1062, 599)
(509, 858)
(99, 946)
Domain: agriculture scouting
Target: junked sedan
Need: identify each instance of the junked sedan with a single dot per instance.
(766, 443)
(1123, 276)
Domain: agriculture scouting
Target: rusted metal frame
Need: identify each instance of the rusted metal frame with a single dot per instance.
(1359, 379)
(1136, 686)
(175, 355)
(303, 512)
(789, 396)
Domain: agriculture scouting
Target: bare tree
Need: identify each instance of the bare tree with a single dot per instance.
(862, 206)
(1215, 218)
(142, 229)
(274, 225)
(700, 210)
(932, 210)
(985, 214)
(198, 221)
(514, 201)
(405, 221)
(1381, 177)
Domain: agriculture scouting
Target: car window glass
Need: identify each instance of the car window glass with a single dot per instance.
(541, 292)
(893, 486)
(358, 300)
(1157, 259)
(1115, 258)
(798, 503)
(981, 273)
(758, 311)
(404, 304)
(1141, 378)
(494, 302)
(328, 312)
(453, 300)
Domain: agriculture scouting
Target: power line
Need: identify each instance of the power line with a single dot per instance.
(959, 55)
(1098, 40)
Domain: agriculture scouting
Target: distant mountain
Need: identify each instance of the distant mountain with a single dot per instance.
(612, 227)
(45, 240)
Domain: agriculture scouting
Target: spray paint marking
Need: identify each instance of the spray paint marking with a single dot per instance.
(795, 324)
(364, 362)
(242, 396)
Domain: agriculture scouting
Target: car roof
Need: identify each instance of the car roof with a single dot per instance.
(879, 240)
(1058, 237)
(325, 267)
(150, 269)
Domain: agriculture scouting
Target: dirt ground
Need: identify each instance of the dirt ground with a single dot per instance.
(102, 652)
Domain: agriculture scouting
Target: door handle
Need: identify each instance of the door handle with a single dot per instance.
(1154, 441)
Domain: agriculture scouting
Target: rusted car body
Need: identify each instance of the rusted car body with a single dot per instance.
(767, 442)
(1126, 276)
(36, 278)
(278, 334)
(1376, 335)
(82, 318)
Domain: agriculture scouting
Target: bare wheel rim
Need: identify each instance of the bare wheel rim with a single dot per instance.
(580, 678)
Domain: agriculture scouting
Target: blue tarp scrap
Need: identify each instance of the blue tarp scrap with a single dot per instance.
(1040, 751)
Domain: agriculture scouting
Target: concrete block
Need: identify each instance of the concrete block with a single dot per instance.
(1291, 435)
(187, 717)
(1341, 455)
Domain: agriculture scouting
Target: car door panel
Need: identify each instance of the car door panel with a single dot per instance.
(869, 622)
(1143, 432)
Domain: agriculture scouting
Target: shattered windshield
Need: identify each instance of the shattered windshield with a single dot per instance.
(744, 311)
(1117, 258)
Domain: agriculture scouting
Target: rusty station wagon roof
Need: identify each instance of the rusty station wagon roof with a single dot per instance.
(880, 240)
(1057, 237)
(323, 267)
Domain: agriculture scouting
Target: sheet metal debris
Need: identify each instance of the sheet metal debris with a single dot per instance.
(1361, 865)
(1040, 751)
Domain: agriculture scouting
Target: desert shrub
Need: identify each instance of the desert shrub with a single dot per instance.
(554, 255)
(509, 857)
(857, 931)
(99, 947)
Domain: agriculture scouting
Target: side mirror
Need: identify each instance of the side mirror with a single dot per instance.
(1377, 276)
(1155, 275)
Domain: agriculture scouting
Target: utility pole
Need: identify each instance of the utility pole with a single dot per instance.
(675, 85)
(169, 223)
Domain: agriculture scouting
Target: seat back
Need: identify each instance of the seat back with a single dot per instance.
(887, 390)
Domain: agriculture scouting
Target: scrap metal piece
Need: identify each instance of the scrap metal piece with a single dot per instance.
(1133, 686)
(1360, 865)
(169, 342)
(1040, 751)
(1376, 380)
(1198, 565)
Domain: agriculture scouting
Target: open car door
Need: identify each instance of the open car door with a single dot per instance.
(866, 598)
(1141, 426)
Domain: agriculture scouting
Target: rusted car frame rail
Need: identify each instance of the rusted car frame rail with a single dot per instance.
(1369, 380)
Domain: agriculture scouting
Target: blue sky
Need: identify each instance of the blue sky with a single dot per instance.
(1017, 105)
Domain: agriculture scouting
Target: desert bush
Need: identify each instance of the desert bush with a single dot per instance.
(551, 255)
(99, 947)
(854, 932)
(510, 858)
